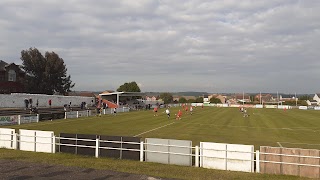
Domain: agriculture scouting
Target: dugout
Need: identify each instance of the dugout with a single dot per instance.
(118, 97)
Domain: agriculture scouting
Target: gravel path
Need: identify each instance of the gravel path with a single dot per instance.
(14, 170)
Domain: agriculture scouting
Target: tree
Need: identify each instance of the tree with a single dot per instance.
(199, 99)
(129, 87)
(166, 97)
(305, 97)
(293, 103)
(45, 74)
(215, 100)
(182, 100)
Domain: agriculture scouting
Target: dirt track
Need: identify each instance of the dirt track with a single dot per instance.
(14, 170)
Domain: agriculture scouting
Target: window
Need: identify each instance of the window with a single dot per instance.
(12, 75)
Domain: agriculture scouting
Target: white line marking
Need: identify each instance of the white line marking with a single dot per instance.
(153, 129)
(279, 144)
(252, 127)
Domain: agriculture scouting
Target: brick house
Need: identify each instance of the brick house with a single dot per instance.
(222, 98)
(264, 98)
(11, 78)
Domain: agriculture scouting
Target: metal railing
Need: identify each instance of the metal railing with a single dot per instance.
(195, 151)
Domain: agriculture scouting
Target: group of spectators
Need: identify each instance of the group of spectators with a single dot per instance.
(28, 105)
(34, 108)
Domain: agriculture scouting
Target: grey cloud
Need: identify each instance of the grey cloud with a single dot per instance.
(172, 45)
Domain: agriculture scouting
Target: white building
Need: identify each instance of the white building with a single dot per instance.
(316, 97)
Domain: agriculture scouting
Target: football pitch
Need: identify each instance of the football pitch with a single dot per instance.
(264, 127)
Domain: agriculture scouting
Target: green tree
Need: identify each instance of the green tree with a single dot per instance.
(166, 97)
(45, 74)
(215, 100)
(305, 97)
(293, 103)
(182, 100)
(251, 98)
(199, 99)
(129, 87)
(191, 101)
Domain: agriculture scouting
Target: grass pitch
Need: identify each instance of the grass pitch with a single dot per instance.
(264, 127)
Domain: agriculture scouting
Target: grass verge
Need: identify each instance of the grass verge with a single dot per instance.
(151, 169)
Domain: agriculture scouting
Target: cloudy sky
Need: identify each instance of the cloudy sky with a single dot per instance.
(172, 45)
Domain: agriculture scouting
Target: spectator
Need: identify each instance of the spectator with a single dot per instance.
(115, 111)
(26, 102)
(98, 109)
(30, 102)
(34, 110)
(50, 103)
(81, 105)
(65, 107)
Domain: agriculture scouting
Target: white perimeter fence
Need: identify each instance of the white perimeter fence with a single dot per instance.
(32, 118)
(234, 157)
(259, 106)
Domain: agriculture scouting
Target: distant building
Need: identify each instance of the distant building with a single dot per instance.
(264, 98)
(152, 98)
(316, 97)
(241, 98)
(206, 98)
(222, 98)
(312, 103)
(288, 97)
(12, 78)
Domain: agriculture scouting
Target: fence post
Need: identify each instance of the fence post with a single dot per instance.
(77, 114)
(97, 148)
(14, 141)
(121, 148)
(226, 158)
(65, 115)
(38, 118)
(257, 161)
(141, 151)
(19, 121)
(196, 156)
(54, 144)
(35, 141)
